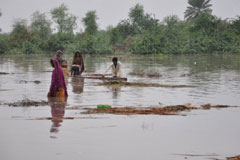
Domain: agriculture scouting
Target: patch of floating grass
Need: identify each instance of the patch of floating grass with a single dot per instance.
(167, 110)
(140, 84)
(27, 103)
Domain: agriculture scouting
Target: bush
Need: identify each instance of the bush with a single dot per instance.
(4, 44)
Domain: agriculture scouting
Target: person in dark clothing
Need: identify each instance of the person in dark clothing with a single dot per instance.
(77, 64)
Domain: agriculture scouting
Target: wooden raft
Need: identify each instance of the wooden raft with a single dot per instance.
(101, 77)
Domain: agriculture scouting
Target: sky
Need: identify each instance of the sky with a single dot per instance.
(109, 12)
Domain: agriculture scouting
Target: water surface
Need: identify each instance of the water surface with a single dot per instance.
(211, 133)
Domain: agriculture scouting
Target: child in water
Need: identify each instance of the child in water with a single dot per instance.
(65, 70)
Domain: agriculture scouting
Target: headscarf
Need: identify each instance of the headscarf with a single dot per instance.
(57, 79)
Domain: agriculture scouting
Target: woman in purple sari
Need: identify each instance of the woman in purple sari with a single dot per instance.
(58, 86)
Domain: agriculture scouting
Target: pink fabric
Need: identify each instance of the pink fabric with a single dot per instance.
(57, 80)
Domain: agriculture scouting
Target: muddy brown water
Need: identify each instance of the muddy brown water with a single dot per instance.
(55, 132)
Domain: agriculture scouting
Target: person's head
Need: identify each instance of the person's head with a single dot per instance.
(59, 54)
(64, 64)
(77, 54)
(115, 60)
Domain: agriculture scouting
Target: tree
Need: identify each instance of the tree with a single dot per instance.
(20, 33)
(136, 16)
(65, 21)
(196, 8)
(90, 23)
(236, 25)
(0, 16)
(140, 20)
(41, 26)
(171, 21)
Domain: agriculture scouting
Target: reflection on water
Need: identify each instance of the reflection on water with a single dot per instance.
(77, 84)
(57, 110)
(116, 90)
(216, 78)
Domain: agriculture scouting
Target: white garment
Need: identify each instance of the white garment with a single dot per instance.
(116, 71)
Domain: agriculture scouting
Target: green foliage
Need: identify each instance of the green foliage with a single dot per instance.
(65, 21)
(236, 25)
(90, 23)
(20, 34)
(123, 30)
(4, 45)
(40, 25)
(141, 21)
(196, 8)
(140, 33)
(59, 41)
(0, 16)
(149, 42)
(98, 44)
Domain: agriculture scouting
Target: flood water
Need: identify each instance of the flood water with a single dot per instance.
(26, 134)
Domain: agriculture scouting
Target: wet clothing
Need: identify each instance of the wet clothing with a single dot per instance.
(65, 73)
(116, 71)
(77, 66)
(58, 86)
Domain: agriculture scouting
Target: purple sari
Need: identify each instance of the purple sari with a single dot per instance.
(58, 81)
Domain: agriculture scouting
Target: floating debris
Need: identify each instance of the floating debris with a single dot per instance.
(98, 75)
(24, 81)
(234, 158)
(106, 78)
(63, 118)
(136, 74)
(139, 84)
(52, 118)
(209, 106)
(167, 110)
(153, 75)
(142, 74)
(27, 103)
(5, 89)
(3, 73)
(103, 106)
(87, 71)
(197, 155)
(36, 81)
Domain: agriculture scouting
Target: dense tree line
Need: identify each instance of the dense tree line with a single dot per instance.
(140, 33)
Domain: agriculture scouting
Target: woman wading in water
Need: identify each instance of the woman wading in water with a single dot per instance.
(77, 64)
(58, 86)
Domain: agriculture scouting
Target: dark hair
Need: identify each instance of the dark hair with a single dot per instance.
(76, 53)
(114, 59)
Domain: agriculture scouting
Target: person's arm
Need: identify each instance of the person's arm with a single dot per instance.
(109, 67)
(83, 67)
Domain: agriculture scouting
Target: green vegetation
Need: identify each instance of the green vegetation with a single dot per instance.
(140, 33)
(196, 8)
(90, 23)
